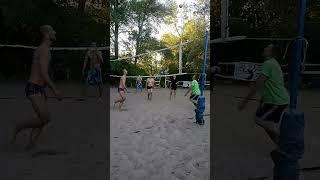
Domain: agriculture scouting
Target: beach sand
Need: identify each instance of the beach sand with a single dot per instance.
(73, 146)
(151, 140)
(157, 140)
(242, 149)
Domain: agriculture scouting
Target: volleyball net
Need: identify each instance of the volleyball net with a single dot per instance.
(162, 64)
(240, 59)
(66, 62)
(162, 81)
(65, 69)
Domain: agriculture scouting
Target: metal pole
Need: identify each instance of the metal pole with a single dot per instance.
(201, 100)
(291, 144)
(203, 79)
(180, 57)
(295, 65)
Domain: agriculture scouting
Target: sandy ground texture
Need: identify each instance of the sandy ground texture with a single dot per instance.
(73, 146)
(241, 149)
(157, 140)
(150, 140)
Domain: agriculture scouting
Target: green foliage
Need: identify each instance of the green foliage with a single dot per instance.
(20, 22)
(138, 19)
(265, 17)
(133, 69)
(192, 56)
(269, 18)
(119, 18)
(171, 18)
(119, 11)
(144, 15)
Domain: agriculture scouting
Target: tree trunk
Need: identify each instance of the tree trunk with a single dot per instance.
(137, 49)
(81, 6)
(140, 29)
(116, 42)
(116, 32)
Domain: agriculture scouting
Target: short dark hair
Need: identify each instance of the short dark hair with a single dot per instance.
(276, 51)
(196, 76)
(44, 29)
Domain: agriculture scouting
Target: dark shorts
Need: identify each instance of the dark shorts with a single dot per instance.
(174, 87)
(270, 112)
(94, 76)
(149, 87)
(194, 97)
(34, 89)
(120, 89)
(139, 85)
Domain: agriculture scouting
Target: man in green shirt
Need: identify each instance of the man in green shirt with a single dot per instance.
(274, 95)
(195, 91)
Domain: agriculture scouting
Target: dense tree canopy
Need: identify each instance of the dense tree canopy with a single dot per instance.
(265, 18)
(194, 32)
(77, 23)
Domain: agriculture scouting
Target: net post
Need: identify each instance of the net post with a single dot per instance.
(291, 144)
(203, 77)
(201, 100)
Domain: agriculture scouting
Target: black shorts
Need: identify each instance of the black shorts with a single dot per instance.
(34, 89)
(120, 89)
(149, 87)
(194, 97)
(270, 112)
(174, 87)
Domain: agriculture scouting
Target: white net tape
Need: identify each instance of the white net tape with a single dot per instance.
(184, 82)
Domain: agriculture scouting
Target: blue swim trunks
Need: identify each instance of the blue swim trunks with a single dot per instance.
(94, 76)
(139, 85)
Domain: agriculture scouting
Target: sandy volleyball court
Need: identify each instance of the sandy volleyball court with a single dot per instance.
(241, 149)
(156, 140)
(151, 140)
(73, 146)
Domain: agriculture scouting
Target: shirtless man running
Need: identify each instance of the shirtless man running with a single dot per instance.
(122, 89)
(150, 85)
(94, 77)
(35, 88)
